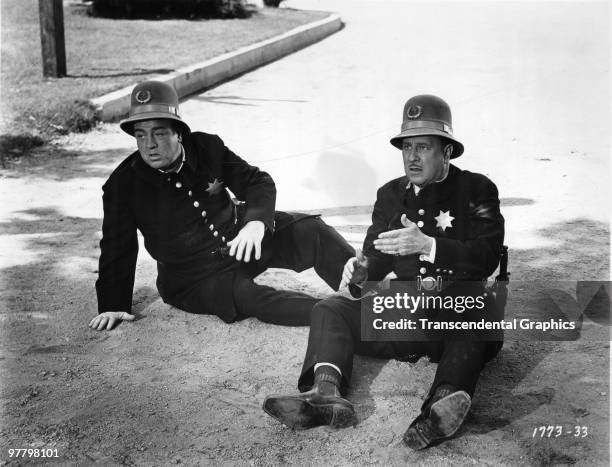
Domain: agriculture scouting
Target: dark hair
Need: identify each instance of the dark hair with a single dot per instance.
(444, 141)
(176, 127)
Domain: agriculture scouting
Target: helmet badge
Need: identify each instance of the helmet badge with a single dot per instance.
(143, 96)
(414, 111)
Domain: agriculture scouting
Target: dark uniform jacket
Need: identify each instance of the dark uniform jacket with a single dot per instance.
(469, 229)
(185, 218)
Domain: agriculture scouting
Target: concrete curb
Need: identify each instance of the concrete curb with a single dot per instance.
(194, 78)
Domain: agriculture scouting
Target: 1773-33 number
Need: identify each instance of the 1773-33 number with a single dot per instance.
(554, 431)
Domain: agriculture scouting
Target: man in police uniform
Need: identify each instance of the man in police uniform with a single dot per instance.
(207, 244)
(437, 224)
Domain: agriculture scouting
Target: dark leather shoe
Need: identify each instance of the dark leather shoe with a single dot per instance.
(311, 409)
(441, 420)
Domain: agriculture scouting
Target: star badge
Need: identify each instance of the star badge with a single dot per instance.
(214, 187)
(444, 220)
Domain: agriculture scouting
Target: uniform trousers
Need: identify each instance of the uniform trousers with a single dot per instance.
(335, 336)
(232, 294)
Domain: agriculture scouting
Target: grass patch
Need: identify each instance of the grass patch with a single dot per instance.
(104, 55)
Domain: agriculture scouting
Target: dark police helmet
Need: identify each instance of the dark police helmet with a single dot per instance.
(427, 115)
(153, 100)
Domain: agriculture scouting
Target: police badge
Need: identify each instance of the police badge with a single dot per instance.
(143, 96)
(414, 111)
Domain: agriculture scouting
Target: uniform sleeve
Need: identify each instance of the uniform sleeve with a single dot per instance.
(379, 264)
(478, 255)
(118, 252)
(251, 185)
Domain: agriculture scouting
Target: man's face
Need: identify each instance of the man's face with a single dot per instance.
(424, 159)
(158, 142)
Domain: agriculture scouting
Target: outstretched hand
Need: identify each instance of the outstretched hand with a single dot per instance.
(108, 319)
(406, 241)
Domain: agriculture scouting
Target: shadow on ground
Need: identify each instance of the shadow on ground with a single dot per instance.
(241, 101)
(55, 162)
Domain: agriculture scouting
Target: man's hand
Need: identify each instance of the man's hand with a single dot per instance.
(249, 238)
(108, 319)
(407, 241)
(355, 270)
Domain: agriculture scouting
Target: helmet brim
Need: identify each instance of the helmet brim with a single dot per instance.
(127, 125)
(397, 141)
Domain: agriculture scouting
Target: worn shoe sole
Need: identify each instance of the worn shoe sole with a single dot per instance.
(299, 414)
(445, 418)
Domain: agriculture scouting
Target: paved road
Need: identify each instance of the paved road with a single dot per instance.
(528, 84)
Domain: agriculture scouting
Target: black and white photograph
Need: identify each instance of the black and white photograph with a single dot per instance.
(305, 232)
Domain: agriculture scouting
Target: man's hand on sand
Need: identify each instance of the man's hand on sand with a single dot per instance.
(106, 321)
(355, 270)
(248, 239)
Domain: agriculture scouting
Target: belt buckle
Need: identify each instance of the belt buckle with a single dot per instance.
(429, 283)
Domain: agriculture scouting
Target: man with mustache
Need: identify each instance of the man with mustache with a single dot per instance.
(208, 245)
(436, 226)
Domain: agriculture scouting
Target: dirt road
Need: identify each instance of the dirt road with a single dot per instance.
(179, 388)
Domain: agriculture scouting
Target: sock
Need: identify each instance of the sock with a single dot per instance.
(444, 390)
(328, 380)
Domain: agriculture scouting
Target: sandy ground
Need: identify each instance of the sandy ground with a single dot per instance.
(174, 388)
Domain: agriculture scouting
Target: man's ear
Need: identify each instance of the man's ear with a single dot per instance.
(448, 151)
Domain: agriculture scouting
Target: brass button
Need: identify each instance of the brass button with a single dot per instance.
(212, 227)
(190, 193)
(196, 204)
(450, 271)
(178, 184)
(421, 212)
(423, 270)
(215, 234)
(203, 213)
(420, 224)
(421, 257)
(223, 239)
